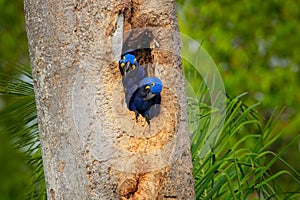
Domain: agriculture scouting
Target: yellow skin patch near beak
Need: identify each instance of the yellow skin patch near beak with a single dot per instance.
(147, 87)
(122, 64)
(133, 67)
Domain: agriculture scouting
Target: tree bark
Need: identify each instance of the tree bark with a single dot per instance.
(92, 146)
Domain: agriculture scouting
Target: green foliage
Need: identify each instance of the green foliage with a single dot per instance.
(23, 131)
(13, 37)
(239, 163)
(256, 46)
(13, 172)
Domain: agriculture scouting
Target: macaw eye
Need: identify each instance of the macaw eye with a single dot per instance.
(122, 64)
(152, 84)
(147, 87)
(133, 66)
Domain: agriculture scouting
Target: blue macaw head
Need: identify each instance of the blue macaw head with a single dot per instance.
(152, 86)
(128, 61)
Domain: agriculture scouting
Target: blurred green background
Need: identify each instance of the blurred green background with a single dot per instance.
(255, 44)
(14, 173)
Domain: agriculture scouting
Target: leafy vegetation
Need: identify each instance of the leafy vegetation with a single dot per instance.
(23, 132)
(240, 162)
(13, 41)
(255, 45)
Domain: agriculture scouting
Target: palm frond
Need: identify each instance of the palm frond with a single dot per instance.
(21, 119)
(240, 162)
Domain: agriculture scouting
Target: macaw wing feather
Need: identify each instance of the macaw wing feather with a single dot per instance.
(129, 94)
(134, 77)
(155, 108)
(131, 82)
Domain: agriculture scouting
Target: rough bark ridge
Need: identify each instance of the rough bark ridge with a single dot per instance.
(92, 146)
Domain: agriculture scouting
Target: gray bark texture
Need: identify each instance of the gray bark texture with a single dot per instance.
(92, 146)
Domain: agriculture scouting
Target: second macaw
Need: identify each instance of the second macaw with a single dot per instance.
(128, 62)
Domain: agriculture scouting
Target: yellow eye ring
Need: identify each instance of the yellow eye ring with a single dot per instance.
(123, 57)
(147, 87)
(152, 84)
(134, 60)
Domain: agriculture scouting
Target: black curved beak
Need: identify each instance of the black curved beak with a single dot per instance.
(150, 95)
(127, 67)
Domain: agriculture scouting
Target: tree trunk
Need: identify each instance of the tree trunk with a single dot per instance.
(92, 146)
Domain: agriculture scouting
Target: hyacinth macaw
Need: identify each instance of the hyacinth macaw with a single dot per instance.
(144, 98)
(128, 62)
